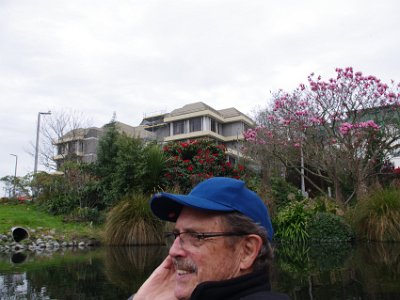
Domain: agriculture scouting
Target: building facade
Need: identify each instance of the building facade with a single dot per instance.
(192, 121)
(199, 120)
(80, 145)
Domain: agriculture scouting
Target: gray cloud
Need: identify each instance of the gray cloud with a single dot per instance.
(138, 57)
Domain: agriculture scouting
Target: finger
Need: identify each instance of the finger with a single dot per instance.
(167, 263)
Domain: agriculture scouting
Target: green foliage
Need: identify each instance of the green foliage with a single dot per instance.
(292, 221)
(126, 165)
(22, 184)
(58, 204)
(327, 227)
(154, 168)
(130, 222)
(61, 194)
(188, 163)
(377, 217)
(57, 194)
(86, 214)
(107, 152)
(308, 221)
(284, 193)
(324, 204)
(129, 165)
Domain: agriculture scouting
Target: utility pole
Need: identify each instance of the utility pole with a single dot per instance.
(15, 174)
(37, 140)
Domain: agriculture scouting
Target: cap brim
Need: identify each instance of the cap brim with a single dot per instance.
(168, 206)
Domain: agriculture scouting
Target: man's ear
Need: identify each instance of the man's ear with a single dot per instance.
(251, 246)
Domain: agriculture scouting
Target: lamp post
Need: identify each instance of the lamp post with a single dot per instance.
(15, 172)
(37, 139)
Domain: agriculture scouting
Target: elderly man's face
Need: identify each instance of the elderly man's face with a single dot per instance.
(209, 260)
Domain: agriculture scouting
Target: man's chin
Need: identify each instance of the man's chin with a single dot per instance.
(183, 291)
(182, 296)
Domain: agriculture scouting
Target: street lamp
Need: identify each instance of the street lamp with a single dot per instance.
(37, 139)
(15, 172)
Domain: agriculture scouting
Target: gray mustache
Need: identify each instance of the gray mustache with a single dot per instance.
(184, 265)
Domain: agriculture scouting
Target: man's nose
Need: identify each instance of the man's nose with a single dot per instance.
(176, 248)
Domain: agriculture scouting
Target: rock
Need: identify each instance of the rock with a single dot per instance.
(17, 247)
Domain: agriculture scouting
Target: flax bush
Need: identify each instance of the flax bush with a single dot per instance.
(292, 221)
(377, 217)
(131, 222)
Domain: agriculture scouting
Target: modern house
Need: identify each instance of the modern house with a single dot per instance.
(199, 120)
(80, 144)
(192, 121)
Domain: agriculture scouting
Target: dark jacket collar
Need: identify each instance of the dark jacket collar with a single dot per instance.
(234, 288)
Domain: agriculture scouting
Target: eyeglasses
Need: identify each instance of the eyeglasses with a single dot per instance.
(195, 239)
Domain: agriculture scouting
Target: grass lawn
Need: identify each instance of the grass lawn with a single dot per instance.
(26, 215)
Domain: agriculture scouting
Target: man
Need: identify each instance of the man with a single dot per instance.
(219, 247)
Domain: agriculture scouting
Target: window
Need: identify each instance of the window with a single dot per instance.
(213, 125)
(195, 124)
(61, 149)
(179, 127)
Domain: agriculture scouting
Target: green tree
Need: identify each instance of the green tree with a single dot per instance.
(129, 165)
(107, 152)
(22, 184)
(125, 165)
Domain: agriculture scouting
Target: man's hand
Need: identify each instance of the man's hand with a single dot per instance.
(161, 283)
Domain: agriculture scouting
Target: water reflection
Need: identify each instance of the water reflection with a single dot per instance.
(18, 257)
(327, 271)
(315, 272)
(128, 267)
(338, 271)
(377, 266)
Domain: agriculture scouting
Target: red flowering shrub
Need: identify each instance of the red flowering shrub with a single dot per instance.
(191, 162)
(396, 171)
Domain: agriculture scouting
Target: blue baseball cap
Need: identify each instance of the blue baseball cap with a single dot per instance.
(215, 194)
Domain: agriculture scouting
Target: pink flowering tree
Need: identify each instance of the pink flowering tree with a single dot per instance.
(342, 130)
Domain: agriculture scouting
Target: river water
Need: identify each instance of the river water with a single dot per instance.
(328, 271)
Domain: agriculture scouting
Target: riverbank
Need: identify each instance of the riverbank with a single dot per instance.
(44, 231)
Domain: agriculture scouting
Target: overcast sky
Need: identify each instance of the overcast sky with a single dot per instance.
(138, 57)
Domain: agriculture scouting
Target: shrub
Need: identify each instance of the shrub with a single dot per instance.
(327, 227)
(306, 221)
(291, 222)
(377, 217)
(86, 214)
(190, 162)
(284, 193)
(58, 204)
(131, 222)
(328, 205)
